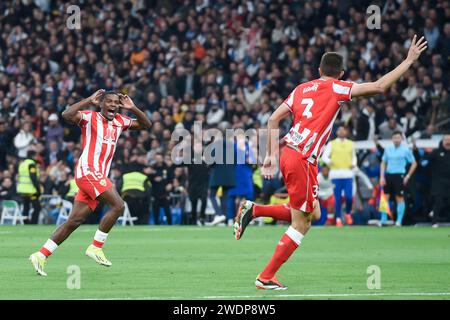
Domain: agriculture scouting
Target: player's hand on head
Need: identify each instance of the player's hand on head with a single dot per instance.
(126, 101)
(269, 168)
(416, 48)
(95, 97)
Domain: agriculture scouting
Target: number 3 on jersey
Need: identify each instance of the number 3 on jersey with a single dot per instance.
(309, 103)
(295, 137)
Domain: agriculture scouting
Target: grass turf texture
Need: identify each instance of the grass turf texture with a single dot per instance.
(204, 263)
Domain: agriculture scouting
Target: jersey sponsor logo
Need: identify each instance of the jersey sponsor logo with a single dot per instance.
(110, 135)
(311, 88)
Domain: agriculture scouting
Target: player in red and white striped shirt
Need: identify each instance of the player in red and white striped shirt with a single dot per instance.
(100, 133)
(314, 106)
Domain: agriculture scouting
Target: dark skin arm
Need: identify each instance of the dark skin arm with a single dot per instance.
(72, 113)
(142, 122)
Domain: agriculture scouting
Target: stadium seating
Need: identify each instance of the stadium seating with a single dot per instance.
(11, 212)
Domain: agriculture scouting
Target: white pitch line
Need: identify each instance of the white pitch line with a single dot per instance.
(129, 229)
(311, 295)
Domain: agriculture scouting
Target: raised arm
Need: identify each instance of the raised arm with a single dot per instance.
(142, 122)
(382, 84)
(72, 114)
(270, 161)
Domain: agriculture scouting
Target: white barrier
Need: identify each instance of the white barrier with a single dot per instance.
(422, 143)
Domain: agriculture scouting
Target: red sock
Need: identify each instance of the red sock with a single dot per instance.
(99, 238)
(45, 252)
(48, 248)
(278, 212)
(286, 246)
(98, 244)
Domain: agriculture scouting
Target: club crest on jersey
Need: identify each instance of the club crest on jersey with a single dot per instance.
(311, 88)
(110, 135)
(103, 182)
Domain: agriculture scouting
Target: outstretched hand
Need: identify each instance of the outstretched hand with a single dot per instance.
(416, 48)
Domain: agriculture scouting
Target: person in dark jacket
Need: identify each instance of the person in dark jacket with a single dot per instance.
(366, 126)
(223, 174)
(7, 190)
(198, 177)
(161, 178)
(243, 189)
(439, 163)
(7, 135)
(187, 82)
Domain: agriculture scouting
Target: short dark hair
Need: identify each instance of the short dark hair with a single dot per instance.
(397, 132)
(104, 94)
(331, 64)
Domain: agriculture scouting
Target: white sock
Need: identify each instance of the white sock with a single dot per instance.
(48, 248)
(100, 238)
(294, 235)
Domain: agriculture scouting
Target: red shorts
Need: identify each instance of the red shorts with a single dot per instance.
(300, 178)
(328, 202)
(90, 187)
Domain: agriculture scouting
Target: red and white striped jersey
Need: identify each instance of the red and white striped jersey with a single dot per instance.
(315, 105)
(99, 141)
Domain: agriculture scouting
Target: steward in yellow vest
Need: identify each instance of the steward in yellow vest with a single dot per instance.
(73, 189)
(135, 188)
(340, 156)
(28, 186)
(135, 183)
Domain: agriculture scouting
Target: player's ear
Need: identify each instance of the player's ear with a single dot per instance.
(341, 74)
(320, 73)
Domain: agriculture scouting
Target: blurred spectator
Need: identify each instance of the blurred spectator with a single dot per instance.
(24, 139)
(6, 142)
(431, 32)
(7, 189)
(388, 127)
(366, 124)
(55, 131)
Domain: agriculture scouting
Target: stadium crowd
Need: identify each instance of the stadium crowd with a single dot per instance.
(224, 63)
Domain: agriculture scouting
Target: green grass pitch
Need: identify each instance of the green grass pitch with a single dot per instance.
(208, 263)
